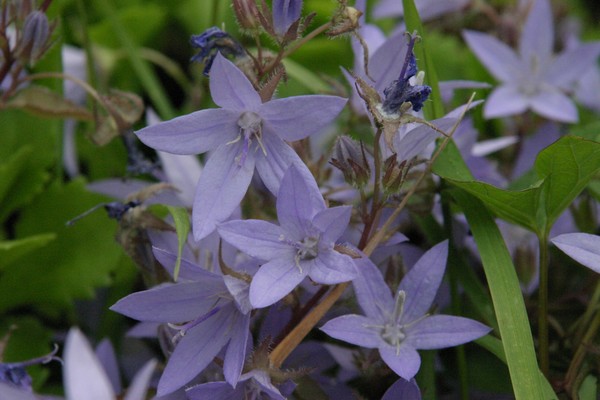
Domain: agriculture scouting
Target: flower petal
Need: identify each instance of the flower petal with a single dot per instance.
(332, 222)
(193, 133)
(563, 72)
(235, 356)
(215, 391)
(421, 283)
(505, 100)
(498, 58)
(138, 389)
(280, 156)
(537, 38)
(582, 247)
(553, 104)
(372, 293)
(221, 187)
(405, 360)
(230, 88)
(353, 329)
(195, 351)
(274, 280)
(294, 118)
(298, 200)
(331, 267)
(257, 238)
(174, 303)
(84, 377)
(441, 331)
(403, 389)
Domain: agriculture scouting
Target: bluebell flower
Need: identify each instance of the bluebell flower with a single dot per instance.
(212, 41)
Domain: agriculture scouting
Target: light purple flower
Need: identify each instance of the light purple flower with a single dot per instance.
(212, 306)
(85, 378)
(399, 326)
(582, 247)
(532, 78)
(285, 13)
(255, 384)
(245, 133)
(301, 245)
(403, 389)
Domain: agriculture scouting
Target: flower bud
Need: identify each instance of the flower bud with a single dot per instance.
(349, 157)
(394, 174)
(34, 39)
(285, 14)
(212, 41)
(246, 14)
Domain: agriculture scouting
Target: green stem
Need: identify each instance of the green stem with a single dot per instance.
(543, 306)
(582, 349)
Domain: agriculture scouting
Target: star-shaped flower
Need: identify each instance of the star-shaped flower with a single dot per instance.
(301, 245)
(245, 133)
(399, 326)
(533, 78)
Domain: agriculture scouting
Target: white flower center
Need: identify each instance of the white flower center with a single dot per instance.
(250, 124)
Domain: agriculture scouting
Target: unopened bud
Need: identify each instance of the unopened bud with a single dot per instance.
(349, 157)
(34, 39)
(211, 42)
(247, 14)
(394, 174)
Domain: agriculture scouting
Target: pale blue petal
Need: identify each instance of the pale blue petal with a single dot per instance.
(332, 222)
(235, 356)
(280, 156)
(195, 351)
(403, 390)
(183, 173)
(554, 105)
(441, 331)
(386, 62)
(498, 58)
(421, 283)
(563, 72)
(240, 290)
(221, 188)
(537, 37)
(83, 375)
(187, 270)
(298, 201)
(105, 353)
(582, 247)
(294, 118)
(215, 391)
(193, 133)
(11, 392)
(257, 238)
(138, 389)
(174, 303)
(405, 360)
(331, 267)
(415, 141)
(505, 100)
(229, 87)
(372, 293)
(273, 281)
(354, 329)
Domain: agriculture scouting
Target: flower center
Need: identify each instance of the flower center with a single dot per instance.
(250, 124)
(393, 334)
(308, 248)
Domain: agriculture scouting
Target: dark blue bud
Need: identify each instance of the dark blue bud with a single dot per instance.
(116, 209)
(401, 91)
(212, 41)
(15, 375)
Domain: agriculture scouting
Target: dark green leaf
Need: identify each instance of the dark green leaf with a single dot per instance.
(11, 250)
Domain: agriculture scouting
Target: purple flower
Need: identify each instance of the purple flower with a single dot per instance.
(255, 384)
(582, 247)
(399, 326)
(85, 377)
(533, 78)
(285, 13)
(301, 245)
(403, 389)
(242, 135)
(213, 306)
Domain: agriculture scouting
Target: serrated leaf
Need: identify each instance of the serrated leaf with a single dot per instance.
(79, 260)
(182, 226)
(42, 101)
(11, 250)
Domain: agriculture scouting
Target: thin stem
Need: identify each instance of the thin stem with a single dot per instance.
(581, 351)
(295, 46)
(543, 306)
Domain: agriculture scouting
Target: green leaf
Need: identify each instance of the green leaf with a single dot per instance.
(305, 76)
(563, 169)
(587, 390)
(508, 301)
(182, 226)
(72, 266)
(11, 250)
